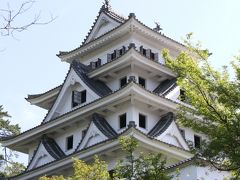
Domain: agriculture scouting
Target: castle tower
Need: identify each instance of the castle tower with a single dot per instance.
(117, 85)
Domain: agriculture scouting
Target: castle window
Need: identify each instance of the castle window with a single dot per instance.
(123, 81)
(122, 51)
(78, 98)
(142, 121)
(182, 95)
(197, 141)
(148, 53)
(123, 121)
(69, 142)
(142, 81)
(95, 64)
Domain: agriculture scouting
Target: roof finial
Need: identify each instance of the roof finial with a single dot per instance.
(106, 4)
(158, 27)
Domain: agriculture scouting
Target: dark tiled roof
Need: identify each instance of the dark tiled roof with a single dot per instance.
(52, 147)
(103, 126)
(162, 125)
(165, 87)
(97, 86)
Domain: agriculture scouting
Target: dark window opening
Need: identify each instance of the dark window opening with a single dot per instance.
(123, 81)
(182, 133)
(182, 95)
(197, 141)
(78, 98)
(69, 142)
(142, 81)
(113, 55)
(142, 121)
(95, 64)
(144, 52)
(123, 121)
(152, 56)
(148, 53)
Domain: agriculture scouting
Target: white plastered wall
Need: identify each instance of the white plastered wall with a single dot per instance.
(75, 131)
(132, 112)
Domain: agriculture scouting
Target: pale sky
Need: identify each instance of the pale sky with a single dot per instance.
(29, 65)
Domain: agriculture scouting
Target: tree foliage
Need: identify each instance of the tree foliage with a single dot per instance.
(215, 100)
(83, 171)
(143, 167)
(8, 166)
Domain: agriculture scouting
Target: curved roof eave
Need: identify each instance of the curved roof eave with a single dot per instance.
(10, 141)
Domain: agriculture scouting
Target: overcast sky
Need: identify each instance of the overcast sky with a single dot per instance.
(28, 62)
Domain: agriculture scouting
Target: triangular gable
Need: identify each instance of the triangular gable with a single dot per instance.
(60, 105)
(105, 22)
(173, 136)
(47, 151)
(93, 136)
(99, 130)
(167, 131)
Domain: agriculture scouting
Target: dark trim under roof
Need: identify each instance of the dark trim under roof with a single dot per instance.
(96, 85)
(52, 148)
(103, 126)
(165, 87)
(162, 125)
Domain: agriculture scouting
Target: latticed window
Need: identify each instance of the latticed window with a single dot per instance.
(78, 98)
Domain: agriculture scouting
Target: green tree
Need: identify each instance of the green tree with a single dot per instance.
(8, 166)
(215, 100)
(83, 171)
(144, 167)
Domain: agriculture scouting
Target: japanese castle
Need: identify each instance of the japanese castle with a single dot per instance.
(117, 85)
